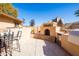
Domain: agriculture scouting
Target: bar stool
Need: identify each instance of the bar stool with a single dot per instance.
(17, 38)
(3, 45)
(10, 42)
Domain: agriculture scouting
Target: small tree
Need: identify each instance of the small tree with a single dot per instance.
(32, 22)
(8, 8)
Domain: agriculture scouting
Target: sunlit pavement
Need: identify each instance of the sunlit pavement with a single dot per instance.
(36, 47)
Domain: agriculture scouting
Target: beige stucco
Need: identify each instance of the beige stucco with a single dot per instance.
(8, 21)
(41, 33)
(51, 29)
(47, 31)
(72, 48)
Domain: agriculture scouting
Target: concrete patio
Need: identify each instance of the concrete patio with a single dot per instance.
(36, 47)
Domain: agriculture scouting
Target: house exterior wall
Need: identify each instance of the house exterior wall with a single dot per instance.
(51, 29)
(72, 48)
(46, 28)
(6, 22)
(74, 26)
(44, 37)
(58, 29)
(54, 24)
(41, 34)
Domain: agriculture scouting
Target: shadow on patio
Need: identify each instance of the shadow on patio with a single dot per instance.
(52, 49)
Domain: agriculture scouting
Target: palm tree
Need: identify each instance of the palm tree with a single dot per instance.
(77, 12)
(32, 22)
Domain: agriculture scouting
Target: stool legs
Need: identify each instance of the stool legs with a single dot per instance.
(0, 51)
(18, 45)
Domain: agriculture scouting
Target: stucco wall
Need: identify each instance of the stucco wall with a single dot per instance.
(69, 46)
(41, 34)
(6, 22)
(44, 37)
(51, 29)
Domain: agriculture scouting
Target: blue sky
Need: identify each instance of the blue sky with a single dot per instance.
(43, 12)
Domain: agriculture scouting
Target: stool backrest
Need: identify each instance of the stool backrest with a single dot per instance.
(19, 33)
(2, 41)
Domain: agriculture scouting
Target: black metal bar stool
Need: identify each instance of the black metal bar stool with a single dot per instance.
(10, 42)
(3, 45)
(17, 38)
